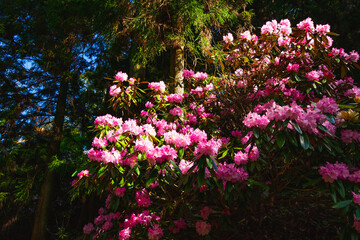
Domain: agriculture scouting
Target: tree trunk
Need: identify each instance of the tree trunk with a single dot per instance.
(46, 193)
(177, 67)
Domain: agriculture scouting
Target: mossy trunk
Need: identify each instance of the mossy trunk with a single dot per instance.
(47, 188)
(177, 60)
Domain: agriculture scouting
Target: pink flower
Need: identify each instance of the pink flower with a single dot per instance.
(132, 81)
(155, 232)
(120, 191)
(99, 220)
(229, 173)
(228, 38)
(157, 86)
(202, 228)
(306, 24)
(245, 35)
(353, 56)
(254, 119)
(200, 75)
(314, 75)
(293, 67)
(114, 91)
(149, 105)
(178, 225)
(210, 148)
(284, 41)
(142, 198)
(143, 145)
(239, 72)
(107, 226)
(83, 173)
(188, 74)
(177, 98)
(120, 76)
(176, 111)
(356, 224)
(241, 158)
(327, 105)
(205, 212)
(125, 234)
(99, 142)
(178, 139)
(356, 198)
(269, 27)
(323, 29)
(88, 228)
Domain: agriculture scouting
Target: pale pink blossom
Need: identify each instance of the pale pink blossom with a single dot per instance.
(306, 24)
(99, 142)
(120, 76)
(228, 38)
(157, 86)
(114, 91)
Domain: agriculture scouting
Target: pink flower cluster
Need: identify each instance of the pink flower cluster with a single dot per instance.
(332, 172)
(202, 228)
(273, 27)
(120, 76)
(108, 120)
(155, 232)
(143, 198)
(178, 225)
(178, 139)
(229, 173)
(205, 212)
(176, 111)
(254, 119)
(120, 191)
(114, 91)
(210, 148)
(190, 74)
(349, 136)
(177, 98)
(157, 86)
(228, 38)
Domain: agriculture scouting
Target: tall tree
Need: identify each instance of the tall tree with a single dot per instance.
(182, 28)
(46, 46)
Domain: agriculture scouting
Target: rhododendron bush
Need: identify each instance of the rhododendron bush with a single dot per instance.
(282, 115)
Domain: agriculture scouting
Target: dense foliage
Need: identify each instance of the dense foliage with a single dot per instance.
(280, 119)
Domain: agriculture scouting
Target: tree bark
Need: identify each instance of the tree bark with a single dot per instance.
(177, 67)
(46, 193)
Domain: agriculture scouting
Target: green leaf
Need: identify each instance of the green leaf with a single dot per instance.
(201, 177)
(215, 166)
(152, 177)
(297, 127)
(342, 204)
(304, 141)
(224, 154)
(280, 139)
(175, 165)
(209, 162)
(341, 189)
(181, 153)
